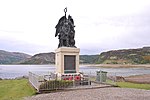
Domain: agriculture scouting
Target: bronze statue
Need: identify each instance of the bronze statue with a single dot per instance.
(65, 31)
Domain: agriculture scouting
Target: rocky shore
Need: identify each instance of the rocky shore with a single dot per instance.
(118, 65)
(145, 79)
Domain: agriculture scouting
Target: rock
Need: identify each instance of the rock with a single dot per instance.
(120, 79)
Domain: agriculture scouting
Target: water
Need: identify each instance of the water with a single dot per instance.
(13, 71)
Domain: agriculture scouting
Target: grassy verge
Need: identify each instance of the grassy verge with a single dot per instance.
(133, 85)
(15, 89)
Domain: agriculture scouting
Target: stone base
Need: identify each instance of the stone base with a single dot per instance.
(67, 60)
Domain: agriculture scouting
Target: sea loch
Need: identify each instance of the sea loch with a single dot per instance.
(13, 71)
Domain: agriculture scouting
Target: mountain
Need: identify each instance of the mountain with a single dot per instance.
(126, 56)
(12, 57)
(49, 58)
(41, 58)
(88, 59)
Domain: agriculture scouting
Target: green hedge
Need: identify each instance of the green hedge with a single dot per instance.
(55, 85)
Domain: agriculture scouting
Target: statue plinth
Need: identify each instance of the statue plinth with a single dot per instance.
(67, 60)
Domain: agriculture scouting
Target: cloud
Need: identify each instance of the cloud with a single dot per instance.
(29, 25)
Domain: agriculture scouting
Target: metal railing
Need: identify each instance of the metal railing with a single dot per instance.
(55, 85)
(36, 80)
(50, 82)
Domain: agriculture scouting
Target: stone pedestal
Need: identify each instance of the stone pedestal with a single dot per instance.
(67, 60)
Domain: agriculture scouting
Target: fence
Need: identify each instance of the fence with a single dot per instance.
(55, 85)
(36, 80)
(110, 78)
(49, 82)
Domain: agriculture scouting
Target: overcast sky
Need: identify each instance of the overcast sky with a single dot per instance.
(29, 25)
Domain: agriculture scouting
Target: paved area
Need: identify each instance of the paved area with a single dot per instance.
(109, 93)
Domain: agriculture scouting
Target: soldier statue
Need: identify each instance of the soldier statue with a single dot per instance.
(65, 31)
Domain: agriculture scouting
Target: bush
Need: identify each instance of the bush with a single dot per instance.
(55, 85)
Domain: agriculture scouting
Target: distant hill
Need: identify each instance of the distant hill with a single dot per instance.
(88, 59)
(49, 58)
(126, 56)
(41, 58)
(12, 57)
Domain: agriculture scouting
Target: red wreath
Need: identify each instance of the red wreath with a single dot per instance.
(77, 78)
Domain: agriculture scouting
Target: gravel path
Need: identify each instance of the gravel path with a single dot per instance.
(96, 94)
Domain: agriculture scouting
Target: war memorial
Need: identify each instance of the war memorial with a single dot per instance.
(67, 74)
(67, 54)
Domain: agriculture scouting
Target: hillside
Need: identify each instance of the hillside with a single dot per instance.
(49, 58)
(126, 56)
(12, 57)
(41, 58)
(88, 59)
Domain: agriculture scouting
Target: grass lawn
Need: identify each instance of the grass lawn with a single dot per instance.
(133, 85)
(15, 89)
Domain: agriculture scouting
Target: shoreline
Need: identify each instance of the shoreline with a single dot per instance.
(141, 79)
(117, 65)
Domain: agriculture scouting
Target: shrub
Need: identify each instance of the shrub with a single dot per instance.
(55, 84)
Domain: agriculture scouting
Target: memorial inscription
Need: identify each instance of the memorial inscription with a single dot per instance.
(69, 63)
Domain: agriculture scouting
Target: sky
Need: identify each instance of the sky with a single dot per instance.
(101, 25)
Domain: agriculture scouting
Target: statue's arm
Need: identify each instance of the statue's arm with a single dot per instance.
(56, 33)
